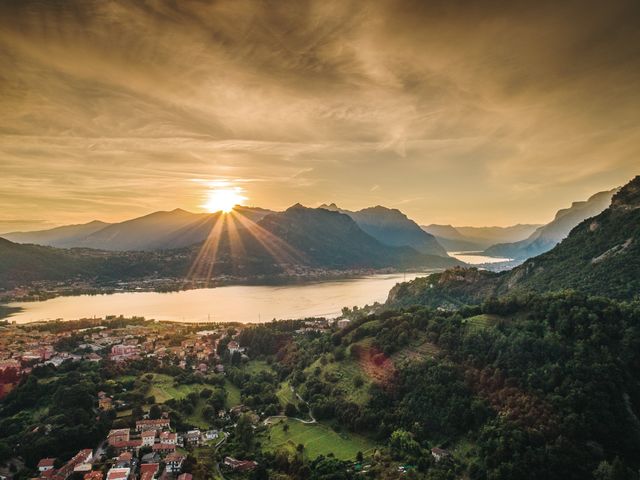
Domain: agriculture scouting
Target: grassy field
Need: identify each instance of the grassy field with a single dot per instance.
(163, 388)
(317, 439)
(256, 366)
(233, 394)
(285, 395)
(196, 417)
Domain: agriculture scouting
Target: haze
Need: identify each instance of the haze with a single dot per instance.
(476, 113)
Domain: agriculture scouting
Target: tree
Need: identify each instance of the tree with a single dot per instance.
(244, 431)
(155, 412)
(290, 410)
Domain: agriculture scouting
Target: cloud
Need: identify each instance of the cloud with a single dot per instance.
(479, 111)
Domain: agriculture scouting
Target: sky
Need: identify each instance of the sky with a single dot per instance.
(455, 112)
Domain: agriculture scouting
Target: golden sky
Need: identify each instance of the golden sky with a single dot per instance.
(469, 113)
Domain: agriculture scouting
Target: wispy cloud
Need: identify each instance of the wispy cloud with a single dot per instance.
(477, 112)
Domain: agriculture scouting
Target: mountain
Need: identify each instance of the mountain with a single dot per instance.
(600, 256)
(393, 228)
(64, 237)
(156, 231)
(326, 237)
(549, 235)
(477, 238)
(20, 264)
(288, 242)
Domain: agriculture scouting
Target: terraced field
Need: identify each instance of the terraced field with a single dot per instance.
(343, 374)
(482, 322)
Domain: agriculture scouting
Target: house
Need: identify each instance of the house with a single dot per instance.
(158, 424)
(185, 476)
(148, 438)
(168, 438)
(105, 403)
(124, 460)
(164, 448)
(440, 453)
(234, 347)
(94, 475)
(118, 474)
(211, 435)
(219, 368)
(148, 471)
(192, 437)
(46, 464)
(127, 446)
(173, 462)
(342, 323)
(82, 457)
(240, 465)
(118, 435)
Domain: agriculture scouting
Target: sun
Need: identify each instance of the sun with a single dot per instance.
(223, 199)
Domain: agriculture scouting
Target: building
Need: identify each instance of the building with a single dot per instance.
(342, 323)
(46, 464)
(148, 438)
(159, 424)
(127, 446)
(168, 438)
(95, 475)
(120, 353)
(173, 462)
(118, 474)
(240, 465)
(185, 476)
(234, 347)
(105, 403)
(439, 453)
(118, 435)
(164, 448)
(192, 437)
(124, 460)
(82, 457)
(148, 471)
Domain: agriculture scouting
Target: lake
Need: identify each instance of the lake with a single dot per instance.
(476, 258)
(247, 304)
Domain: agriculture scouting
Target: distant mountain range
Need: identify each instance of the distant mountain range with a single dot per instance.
(156, 231)
(548, 236)
(600, 256)
(392, 227)
(179, 228)
(247, 242)
(457, 239)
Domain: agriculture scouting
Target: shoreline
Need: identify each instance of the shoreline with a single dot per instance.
(18, 306)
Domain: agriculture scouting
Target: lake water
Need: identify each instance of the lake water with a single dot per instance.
(247, 304)
(476, 258)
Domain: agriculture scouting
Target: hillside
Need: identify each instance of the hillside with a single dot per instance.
(157, 231)
(477, 238)
(324, 237)
(549, 235)
(601, 256)
(279, 243)
(21, 264)
(64, 237)
(392, 227)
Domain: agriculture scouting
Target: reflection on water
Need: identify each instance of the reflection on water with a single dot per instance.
(476, 258)
(248, 304)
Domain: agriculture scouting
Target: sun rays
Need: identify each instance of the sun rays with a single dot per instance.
(233, 241)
